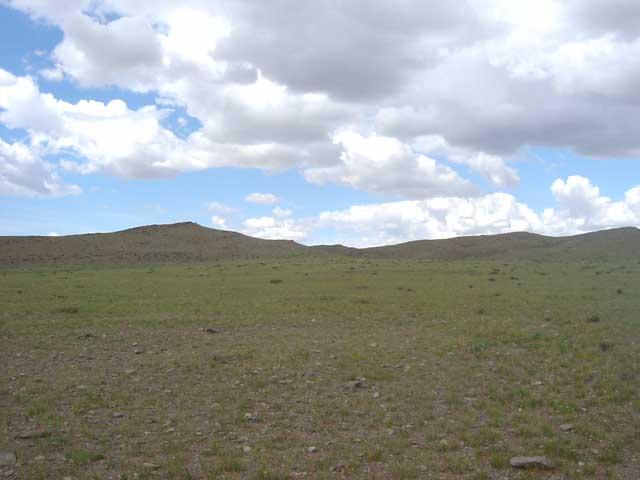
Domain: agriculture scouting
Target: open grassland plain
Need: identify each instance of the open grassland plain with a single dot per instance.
(321, 368)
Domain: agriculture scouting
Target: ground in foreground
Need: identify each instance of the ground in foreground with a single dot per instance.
(321, 369)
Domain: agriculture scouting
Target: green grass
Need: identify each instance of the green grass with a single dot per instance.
(461, 372)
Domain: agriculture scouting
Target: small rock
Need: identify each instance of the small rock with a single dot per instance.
(150, 466)
(39, 458)
(312, 449)
(129, 371)
(250, 417)
(531, 462)
(213, 330)
(7, 458)
(138, 351)
(566, 427)
(33, 434)
(355, 384)
(118, 415)
(376, 395)
(309, 373)
(246, 449)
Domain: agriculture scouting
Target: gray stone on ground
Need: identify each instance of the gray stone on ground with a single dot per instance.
(355, 384)
(531, 462)
(33, 434)
(7, 458)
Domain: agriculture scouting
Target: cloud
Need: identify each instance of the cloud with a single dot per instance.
(272, 86)
(52, 74)
(395, 222)
(220, 208)
(406, 37)
(126, 49)
(219, 222)
(271, 228)
(111, 137)
(616, 17)
(492, 168)
(281, 212)
(384, 164)
(263, 198)
(580, 208)
(24, 173)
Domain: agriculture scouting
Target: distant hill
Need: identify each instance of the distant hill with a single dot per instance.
(605, 244)
(174, 243)
(190, 242)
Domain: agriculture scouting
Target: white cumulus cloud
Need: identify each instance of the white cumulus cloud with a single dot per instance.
(272, 228)
(23, 172)
(262, 198)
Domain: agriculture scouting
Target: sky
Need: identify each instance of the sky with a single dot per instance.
(354, 122)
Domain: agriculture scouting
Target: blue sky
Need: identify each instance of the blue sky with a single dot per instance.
(115, 114)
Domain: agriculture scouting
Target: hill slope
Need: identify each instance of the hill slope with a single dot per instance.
(605, 244)
(190, 242)
(179, 242)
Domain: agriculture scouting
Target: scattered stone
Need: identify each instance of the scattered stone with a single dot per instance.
(309, 373)
(250, 417)
(531, 462)
(566, 427)
(246, 449)
(150, 466)
(213, 330)
(138, 351)
(376, 395)
(312, 449)
(355, 384)
(39, 458)
(33, 434)
(7, 458)
(118, 415)
(339, 467)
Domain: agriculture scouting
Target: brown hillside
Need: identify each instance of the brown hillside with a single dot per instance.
(190, 242)
(180, 242)
(606, 244)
